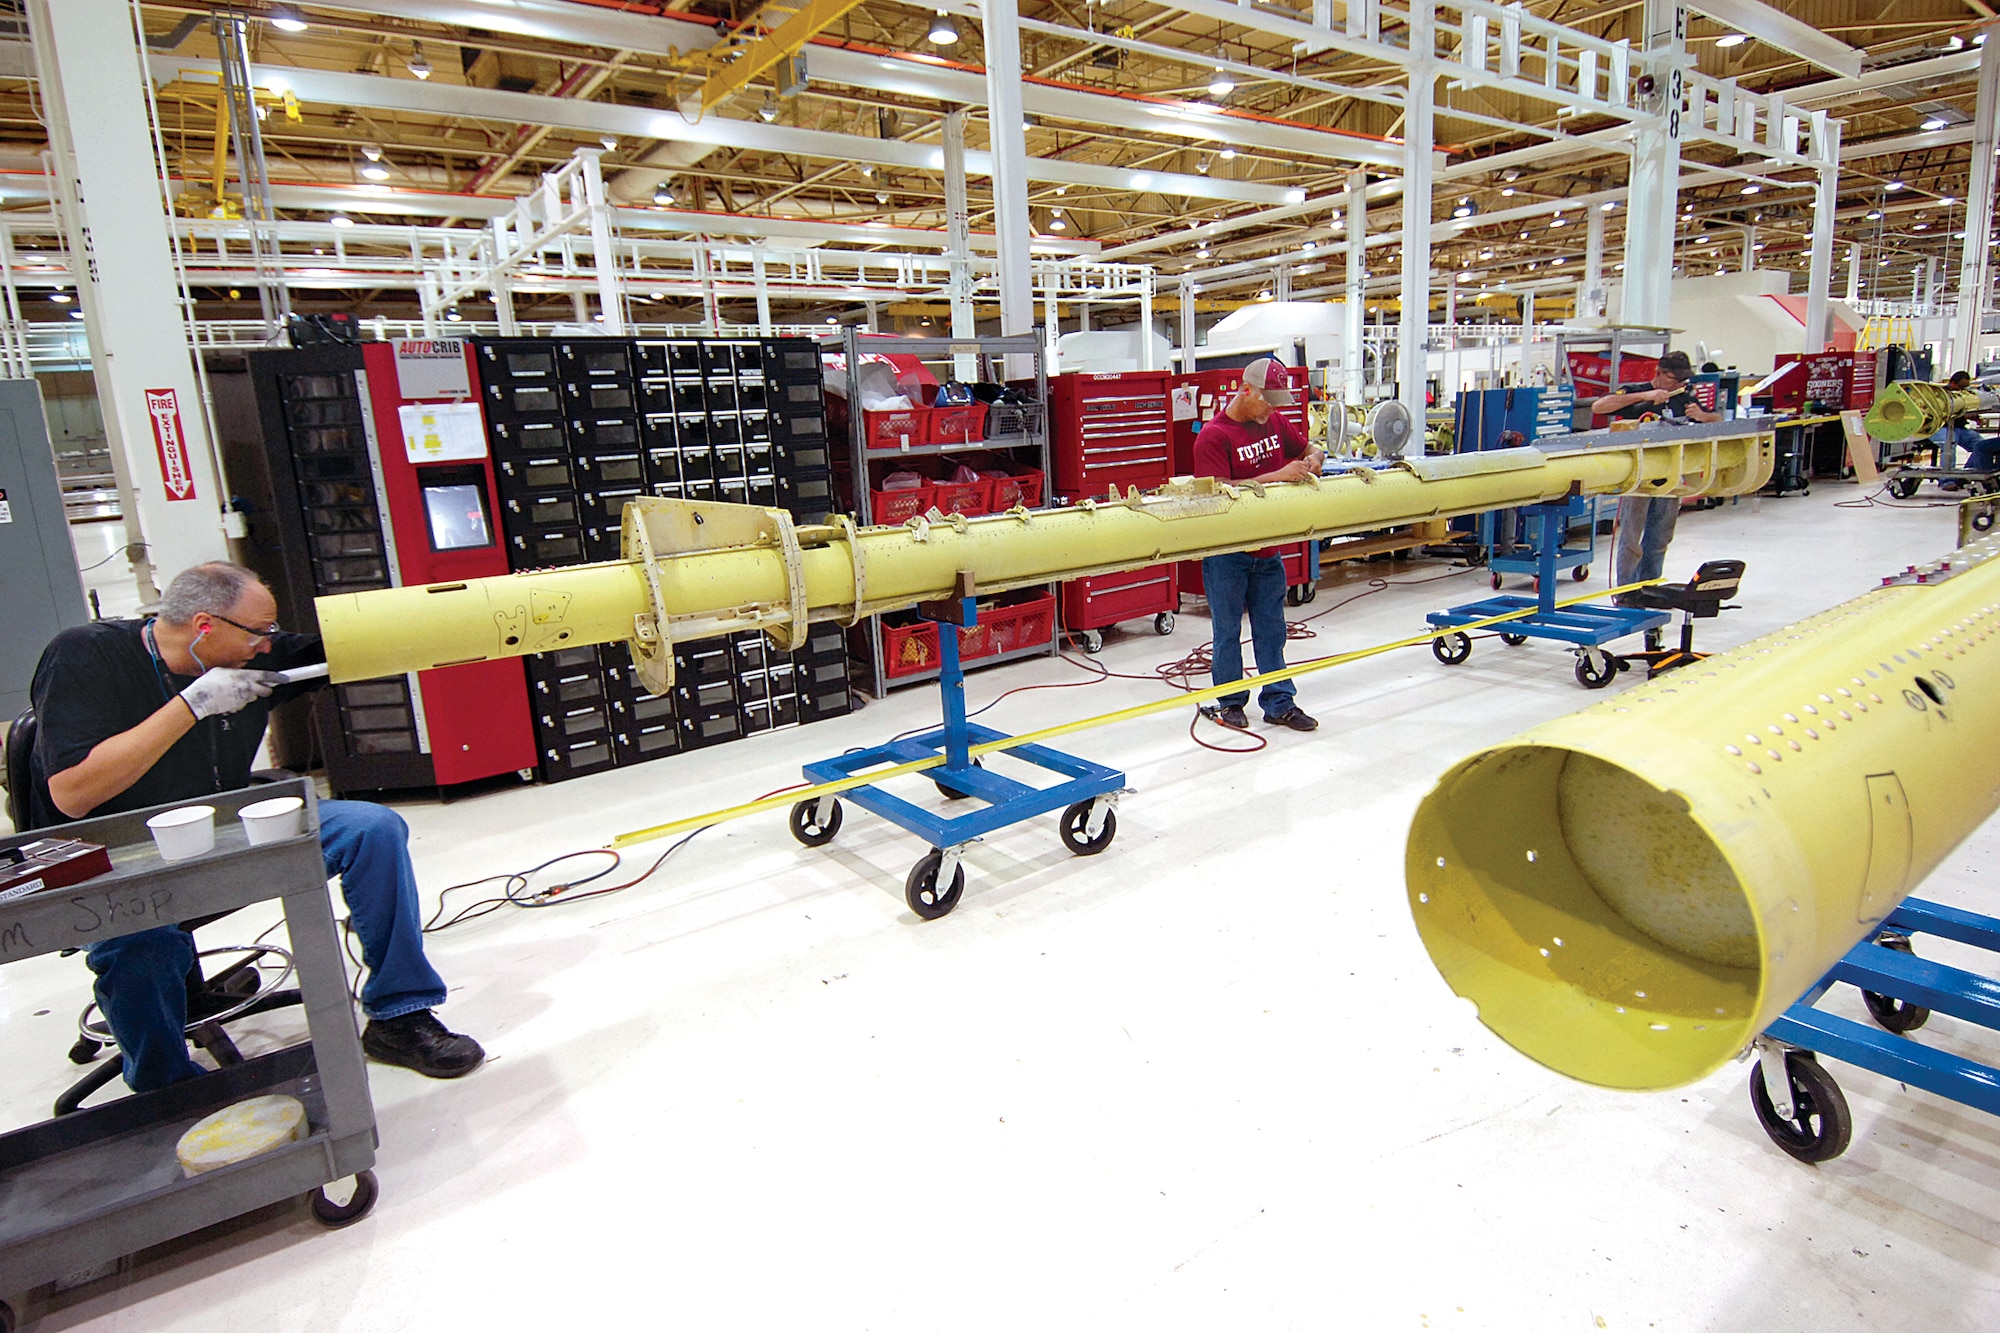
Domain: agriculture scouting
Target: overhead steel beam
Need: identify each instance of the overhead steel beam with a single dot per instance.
(339, 88)
(1775, 28)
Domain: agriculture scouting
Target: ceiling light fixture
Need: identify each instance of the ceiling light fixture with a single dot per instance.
(1753, 189)
(1611, 205)
(768, 110)
(1221, 85)
(1934, 123)
(1057, 224)
(1893, 185)
(375, 171)
(663, 194)
(60, 298)
(286, 19)
(419, 66)
(943, 31)
(372, 151)
(341, 220)
(1731, 39)
(1227, 155)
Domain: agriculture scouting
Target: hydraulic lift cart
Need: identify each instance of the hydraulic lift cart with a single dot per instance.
(1087, 795)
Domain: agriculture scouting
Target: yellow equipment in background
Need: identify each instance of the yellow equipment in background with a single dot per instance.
(1630, 894)
(1915, 409)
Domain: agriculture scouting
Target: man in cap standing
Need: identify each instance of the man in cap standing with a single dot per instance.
(1248, 441)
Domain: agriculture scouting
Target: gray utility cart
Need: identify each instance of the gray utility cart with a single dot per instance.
(84, 1189)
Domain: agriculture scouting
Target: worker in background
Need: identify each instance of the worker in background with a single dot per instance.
(1248, 441)
(1646, 523)
(1958, 433)
(131, 714)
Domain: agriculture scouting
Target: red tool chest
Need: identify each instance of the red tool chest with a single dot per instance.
(1110, 430)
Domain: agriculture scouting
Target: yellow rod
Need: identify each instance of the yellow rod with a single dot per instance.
(1631, 893)
(716, 570)
(834, 788)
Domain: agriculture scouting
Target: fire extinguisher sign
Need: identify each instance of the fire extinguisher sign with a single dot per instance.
(176, 472)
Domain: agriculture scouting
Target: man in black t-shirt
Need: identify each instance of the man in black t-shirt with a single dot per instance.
(1646, 522)
(131, 714)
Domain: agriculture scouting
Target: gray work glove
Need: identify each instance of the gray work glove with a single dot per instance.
(227, 689)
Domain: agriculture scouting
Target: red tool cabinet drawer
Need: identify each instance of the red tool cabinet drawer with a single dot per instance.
(1106, 599)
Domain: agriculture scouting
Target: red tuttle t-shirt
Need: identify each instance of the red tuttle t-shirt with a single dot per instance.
(1240, 450)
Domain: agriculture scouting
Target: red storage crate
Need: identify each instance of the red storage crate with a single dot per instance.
(899, 506)
(902, 428)
(958, 425)
(970, 498)
(909, 649)
(975, 641)
(1022, 488)
(1029, 624)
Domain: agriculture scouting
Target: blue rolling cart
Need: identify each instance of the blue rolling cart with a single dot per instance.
(1539, 528)
(1798, 1102)
(1087, 794)
(1585, 628)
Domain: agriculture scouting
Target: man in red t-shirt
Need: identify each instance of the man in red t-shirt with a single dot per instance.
(1248, 441)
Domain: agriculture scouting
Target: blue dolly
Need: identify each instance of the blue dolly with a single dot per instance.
(1586, 628)
(1799, 1104)
(1541, 525)
(1088, 796)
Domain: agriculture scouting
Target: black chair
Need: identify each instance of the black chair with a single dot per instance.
(1700, 598)
(236, 991)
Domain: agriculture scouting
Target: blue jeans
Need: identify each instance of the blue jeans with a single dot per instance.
(1979, 456)
(1645, 530)
(142, 977)
(1234, 583)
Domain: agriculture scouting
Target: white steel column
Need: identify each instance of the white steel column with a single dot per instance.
(608, 296)
(763, 282)
(1853, 273)
(1007, 132)
(958, 242)
(1590, 301)
(1413, 358)
(1527, 317)
(93, 96)
(1188, 291)
(1357, 284)
(1656, 165)
(1819, 264)
(1975, 267)
(1146, 294)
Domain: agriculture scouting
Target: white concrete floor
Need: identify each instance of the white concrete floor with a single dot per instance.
(1208, 1079)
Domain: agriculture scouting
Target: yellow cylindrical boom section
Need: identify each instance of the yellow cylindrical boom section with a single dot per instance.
(1631, 893)
(694, 569)
(1913, 409)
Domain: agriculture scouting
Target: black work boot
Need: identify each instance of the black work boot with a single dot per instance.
(418, 1041)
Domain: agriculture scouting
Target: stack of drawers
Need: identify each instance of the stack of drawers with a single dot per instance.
(579, 427)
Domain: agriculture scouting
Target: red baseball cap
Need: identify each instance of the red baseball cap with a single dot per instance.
(1270, 378)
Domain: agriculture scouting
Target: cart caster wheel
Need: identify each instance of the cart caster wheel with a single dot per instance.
(1075, 822)
(1451, 649)
(1092, 641)
(1820, 1127)
(85, 1051)
(1982, 520)
(920, 889)
(1893, 1014)
(1903, 487)
(1595, 669)
(334, 1216)
(807, 828)
(1163, 623)
(1805, 490)
(1513, 640)
(1581, 573)
(1308, 593)
(1494, 579)
(525, 774)
(948, 792)
(1292, 597)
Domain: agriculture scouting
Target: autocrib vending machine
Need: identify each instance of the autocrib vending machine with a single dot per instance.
(381, 476)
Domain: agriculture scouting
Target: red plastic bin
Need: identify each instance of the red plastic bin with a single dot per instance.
(902, 428)
(1022, 625)
(958, 425)
(899, 506)
(1023, 488)
(970, 498)
(908, 649)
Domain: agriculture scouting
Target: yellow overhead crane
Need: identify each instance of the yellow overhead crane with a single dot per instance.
(205, 93)
(777, 32)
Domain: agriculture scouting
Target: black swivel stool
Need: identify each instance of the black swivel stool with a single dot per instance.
(237, 991)
(1700, 598)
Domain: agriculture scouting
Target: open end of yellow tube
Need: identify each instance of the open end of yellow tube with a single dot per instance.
(1595, 923)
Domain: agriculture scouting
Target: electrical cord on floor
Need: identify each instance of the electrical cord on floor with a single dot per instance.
(517, 890)
(1870, 501)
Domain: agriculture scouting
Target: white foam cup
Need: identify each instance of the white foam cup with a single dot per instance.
(273, 820)
(188, 831)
